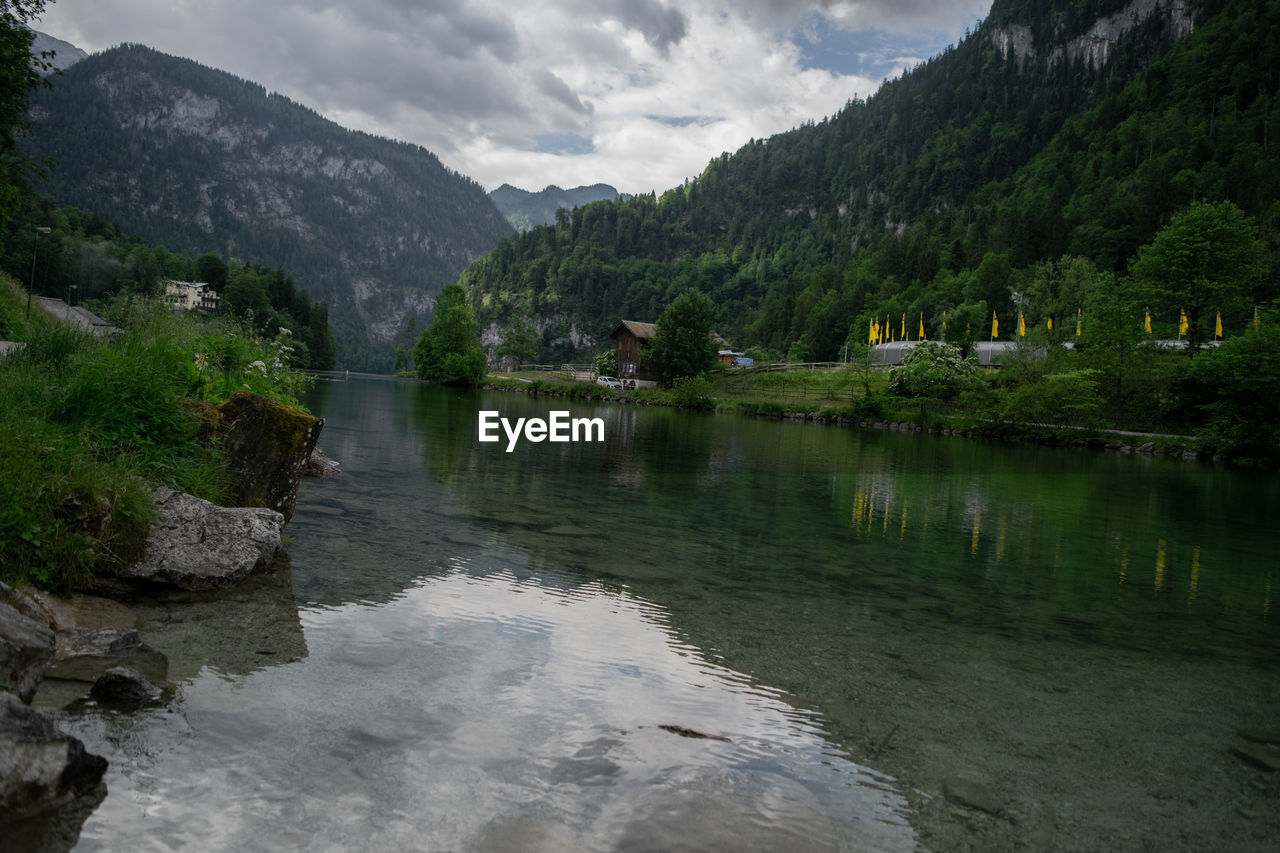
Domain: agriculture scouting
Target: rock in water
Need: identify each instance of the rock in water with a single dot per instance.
(265, 447)
(96, 642)
(320, 465)
(26, 648)
(194, 544)
(1266, 757)
(40, 767)
(123, 688)
(975, 795)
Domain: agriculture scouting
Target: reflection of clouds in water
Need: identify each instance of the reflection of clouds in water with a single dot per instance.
(474, 711)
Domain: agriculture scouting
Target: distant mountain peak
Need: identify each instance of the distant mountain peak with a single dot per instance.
(525, 209)
(65, 54)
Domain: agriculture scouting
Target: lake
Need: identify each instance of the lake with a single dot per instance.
(714, 633)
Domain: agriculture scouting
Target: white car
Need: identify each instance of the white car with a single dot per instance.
(609, 382)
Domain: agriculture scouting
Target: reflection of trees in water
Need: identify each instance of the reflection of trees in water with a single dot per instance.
(1015, 541)
(1094, 556)
(701, 511)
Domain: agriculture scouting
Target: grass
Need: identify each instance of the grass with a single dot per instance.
(87, 424)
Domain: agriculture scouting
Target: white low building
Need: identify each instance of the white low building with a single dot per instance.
(191, 296)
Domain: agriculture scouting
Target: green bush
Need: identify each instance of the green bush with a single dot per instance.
(1058, 399)
(933, 369)
(693, 392)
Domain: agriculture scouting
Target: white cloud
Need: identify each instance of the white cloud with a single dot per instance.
(479, 83)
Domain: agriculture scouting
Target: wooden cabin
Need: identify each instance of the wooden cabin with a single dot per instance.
(630, 340)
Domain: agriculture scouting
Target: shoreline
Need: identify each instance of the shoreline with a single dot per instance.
(1181, 447)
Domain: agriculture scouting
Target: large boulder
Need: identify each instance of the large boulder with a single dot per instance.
(265, 447)
(26, 648)
(194, 544)
(40, 767)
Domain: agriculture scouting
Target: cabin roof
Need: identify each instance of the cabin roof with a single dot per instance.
(640, 330)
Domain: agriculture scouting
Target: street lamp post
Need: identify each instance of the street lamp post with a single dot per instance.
(40, 229)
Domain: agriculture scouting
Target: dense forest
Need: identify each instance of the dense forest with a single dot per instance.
(1015, 172)
(198, 161)
(83, 258)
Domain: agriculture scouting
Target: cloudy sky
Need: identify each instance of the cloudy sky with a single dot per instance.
(636, 93)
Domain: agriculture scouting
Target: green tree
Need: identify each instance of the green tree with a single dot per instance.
(449, 350)
(606, 363)
(1206, 260)
(246, 294)
(683, 345)
(520, 342)
(212, 270)
(19, 76)
(1234, 390)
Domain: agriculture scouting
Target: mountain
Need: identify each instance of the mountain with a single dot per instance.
(1073, 128)
(65, 54)
(524, 209)
(200, 161)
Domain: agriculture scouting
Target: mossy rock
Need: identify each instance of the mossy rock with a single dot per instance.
(265, 446)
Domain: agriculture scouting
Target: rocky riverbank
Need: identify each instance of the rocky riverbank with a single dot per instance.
(88, 643)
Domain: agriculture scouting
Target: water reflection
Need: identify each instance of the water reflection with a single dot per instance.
(480, 710)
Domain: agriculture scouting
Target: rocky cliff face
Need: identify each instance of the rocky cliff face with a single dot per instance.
(200, 161)
(1095, 44)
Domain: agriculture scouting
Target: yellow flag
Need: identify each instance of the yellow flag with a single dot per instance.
(1217, 329)
(1050, 324)
(1183, 324)
(995, 325)
(1022, 325)
(904, 327)
(1148, 322)
(1079, 320)
(871, 333)
(922, 327)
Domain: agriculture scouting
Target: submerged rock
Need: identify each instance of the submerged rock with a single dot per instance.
(975, 795)
(81, 611)
(320, 465)
(123, 688)
(40, 767)
(26, 649)
(1266, 757)
(265, 447)
(96, 642)
(195, 545)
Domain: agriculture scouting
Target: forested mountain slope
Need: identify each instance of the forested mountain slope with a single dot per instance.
(201, 161)
(1072, 128)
